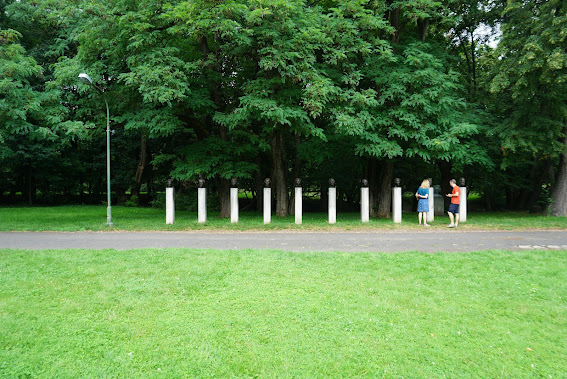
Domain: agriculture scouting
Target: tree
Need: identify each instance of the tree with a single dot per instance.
(272, 72)
(473, 24)
(400, 98)
(34, 126)
(530, 71)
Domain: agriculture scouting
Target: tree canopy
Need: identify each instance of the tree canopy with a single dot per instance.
(285, 89)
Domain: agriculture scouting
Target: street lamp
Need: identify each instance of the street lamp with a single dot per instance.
(87, 80)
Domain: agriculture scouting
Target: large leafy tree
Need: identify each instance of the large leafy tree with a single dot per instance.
(263, 55)
(280, 98)
(127, 50)
(530, 74)
(397, 95)
(35, 127)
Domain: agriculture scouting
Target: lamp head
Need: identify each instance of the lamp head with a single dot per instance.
(85, 78)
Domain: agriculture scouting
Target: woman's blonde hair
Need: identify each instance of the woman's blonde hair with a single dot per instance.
(425, 183)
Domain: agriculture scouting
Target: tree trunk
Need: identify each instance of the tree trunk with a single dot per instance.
(446, 175)
(525, 193)
(259, 184)
(324, 203)
(373, 188)
(422, 26)
(536, 193)
(30, 190)
(385, 202)
(120, 195)
(141, 166)
(487, 198)
(224, 197)
(279, 173)
(469, 67)
(473, 58)
(558, 206)
(511, 197)
(296, 173)
(395, 16)
(224, 184)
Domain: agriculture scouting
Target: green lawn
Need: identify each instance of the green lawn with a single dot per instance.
(195, 313)
(75, 218)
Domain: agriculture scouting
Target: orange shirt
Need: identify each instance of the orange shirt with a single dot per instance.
(456, 199)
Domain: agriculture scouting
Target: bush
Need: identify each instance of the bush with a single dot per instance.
(134, 201)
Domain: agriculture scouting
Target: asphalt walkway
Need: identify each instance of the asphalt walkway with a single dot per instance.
(378, 241)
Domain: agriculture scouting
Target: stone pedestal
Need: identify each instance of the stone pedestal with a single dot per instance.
(439, 201)
(234, 205)
(298, 205)
(364, 204)
(201, 205)
(267, 205)
(332, 205)
(397, 205)
(463, 205)
(431, 199)
(169, 206)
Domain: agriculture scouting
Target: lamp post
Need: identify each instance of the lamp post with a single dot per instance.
(87, 80)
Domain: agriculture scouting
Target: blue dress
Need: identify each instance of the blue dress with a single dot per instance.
(423, 204)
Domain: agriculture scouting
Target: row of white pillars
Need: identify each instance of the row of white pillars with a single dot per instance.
(364, 205)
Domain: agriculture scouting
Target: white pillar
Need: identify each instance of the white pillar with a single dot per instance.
(431, 213)
(463, 205)
(332, 205)
(202, 205)
(364, 204)
(169, 206)
(397, 204)
(267, 205)
(298, 205)
(234, 205)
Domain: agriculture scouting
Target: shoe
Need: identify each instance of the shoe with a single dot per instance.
(426, 225)
(451, 226)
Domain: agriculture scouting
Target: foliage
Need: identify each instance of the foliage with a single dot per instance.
(256, 88)
(529, 77)
(186, 201)
(531, 73)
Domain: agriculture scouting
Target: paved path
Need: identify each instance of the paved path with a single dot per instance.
(386, 241)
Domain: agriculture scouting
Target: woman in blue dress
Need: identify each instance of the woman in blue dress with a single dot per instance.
(422, 196)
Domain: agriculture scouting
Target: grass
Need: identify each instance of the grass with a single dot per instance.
(77, 218)
(196, 313)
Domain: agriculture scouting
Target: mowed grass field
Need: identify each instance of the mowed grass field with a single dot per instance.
(202, 313)
(78, 218)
